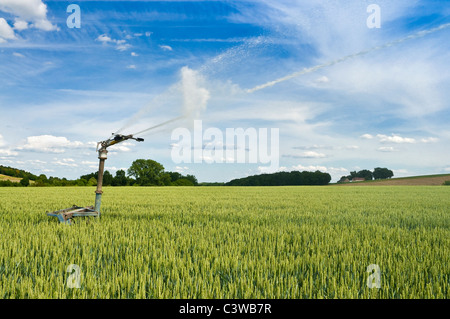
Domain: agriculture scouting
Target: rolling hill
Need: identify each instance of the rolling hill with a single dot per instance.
(9, 178)
(426, 180)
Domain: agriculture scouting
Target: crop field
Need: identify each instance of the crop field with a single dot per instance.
(9, 178)
(228, 242)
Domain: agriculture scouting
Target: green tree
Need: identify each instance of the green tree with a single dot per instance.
(165, 179)
(25, 181)
(382, 173)
(120, 179)
(366, 174)
(174, 176)
(107, 178)
(147, 172)
(183, 182)
(81, 182)
(92, 182)
(193, 179)
(352, 175)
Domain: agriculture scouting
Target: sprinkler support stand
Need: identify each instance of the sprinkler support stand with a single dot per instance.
(102, 156)
(66, 215)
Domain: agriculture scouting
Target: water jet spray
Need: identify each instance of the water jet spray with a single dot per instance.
(416, 35)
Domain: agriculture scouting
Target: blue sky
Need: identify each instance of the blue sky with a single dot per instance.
(64, 89)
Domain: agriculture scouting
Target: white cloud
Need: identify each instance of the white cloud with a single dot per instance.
(268, 169)
(366, 136)
(337, 169)
(314, 147)
(65, 163)
(20, 25)
(33, 11)
(49, 144)
(386, 149)
(429, 140)
(311, 168)
(132, 66)
(36, 161)
(19, 55)
(166, 47)
(395, 139)
(8, 152)
(181, 169)
(44, 25)
(104, 38)
(6, 32)
(134, 54)
(88, 163)
(121, 148)
(147, 34)
(323, 79)
(121, 45)
(312, 154)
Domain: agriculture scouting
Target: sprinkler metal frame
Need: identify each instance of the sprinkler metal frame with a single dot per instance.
(66, 215)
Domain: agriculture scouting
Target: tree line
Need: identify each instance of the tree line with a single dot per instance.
(147, 172)
(14, 172)
(378, 173)
(141, 173)
(283, 179)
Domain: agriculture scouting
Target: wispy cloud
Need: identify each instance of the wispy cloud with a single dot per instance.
(19, 55)
(166, 47)
(66, 162)
(397, 139)
(386, 149)
(367, 136)
(121, 45)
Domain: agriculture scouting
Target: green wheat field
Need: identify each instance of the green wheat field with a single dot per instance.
(228, 242)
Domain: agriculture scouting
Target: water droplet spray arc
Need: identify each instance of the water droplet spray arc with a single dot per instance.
(195, 97)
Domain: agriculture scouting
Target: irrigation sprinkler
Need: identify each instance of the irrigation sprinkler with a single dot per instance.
(66, 215)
